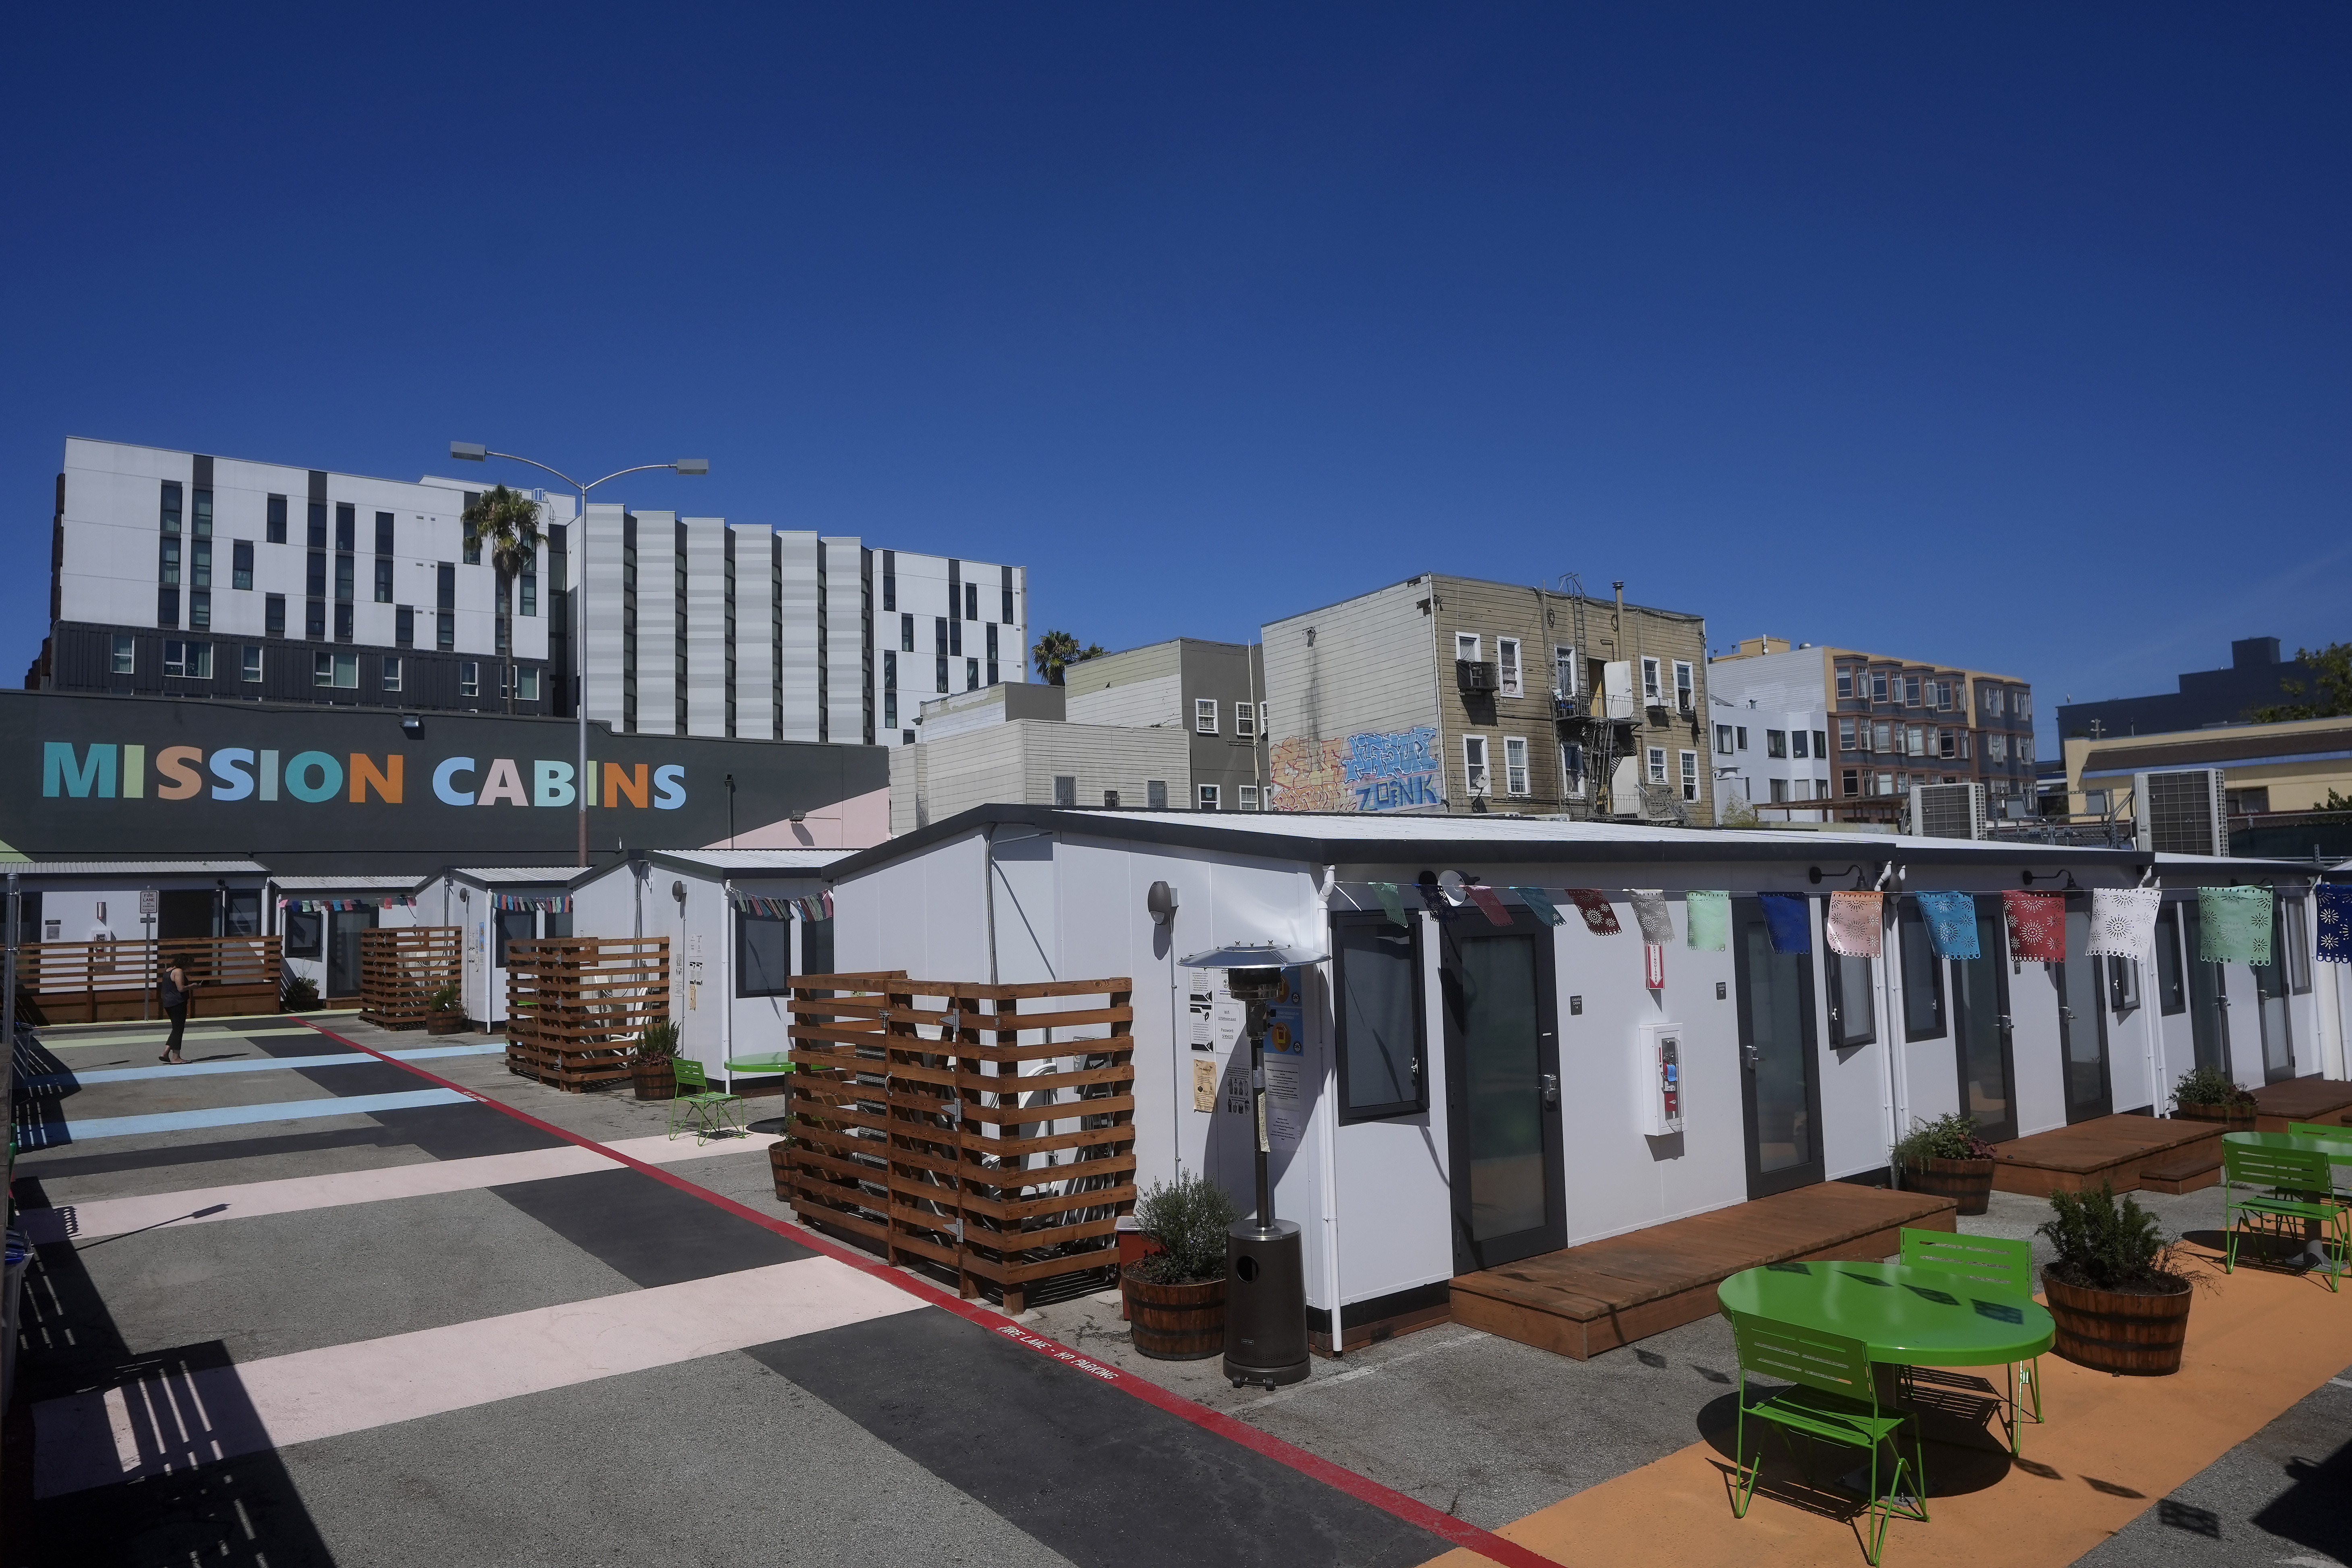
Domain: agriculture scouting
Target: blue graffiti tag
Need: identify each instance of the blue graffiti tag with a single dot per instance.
(1390, 772)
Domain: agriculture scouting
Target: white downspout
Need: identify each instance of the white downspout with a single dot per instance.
(726, 978)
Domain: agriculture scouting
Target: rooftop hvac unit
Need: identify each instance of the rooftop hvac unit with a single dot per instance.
(1947, 810)
(2183, 813)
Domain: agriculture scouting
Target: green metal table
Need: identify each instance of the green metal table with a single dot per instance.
(2341, 1148)
(760, 1062)
(1907, 1317)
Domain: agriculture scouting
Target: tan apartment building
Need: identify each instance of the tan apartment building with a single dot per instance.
(1454, 694)
(2267, 769)
(1796, 723)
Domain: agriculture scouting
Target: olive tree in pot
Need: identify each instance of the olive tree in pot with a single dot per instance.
(1946, 1158)
(443, 1015)
(2209, 1094)
(1176, 1295)
(2119, 1305)
(653, 1070)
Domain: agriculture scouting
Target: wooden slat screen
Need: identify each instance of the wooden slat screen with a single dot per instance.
(402, 967)
(575, 1006)
(93, 981)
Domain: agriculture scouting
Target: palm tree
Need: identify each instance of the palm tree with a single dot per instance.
(508, 522)
(1056, 652)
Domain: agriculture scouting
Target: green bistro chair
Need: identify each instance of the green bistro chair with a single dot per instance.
(712, 1113)
(2001, 1268)
(1835, 1400)
(2275, 1187)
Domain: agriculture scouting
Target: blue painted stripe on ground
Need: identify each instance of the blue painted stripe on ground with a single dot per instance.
(239, 1115)
(245, 1063)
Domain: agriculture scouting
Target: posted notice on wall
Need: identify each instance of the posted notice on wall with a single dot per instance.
(1285, 1063)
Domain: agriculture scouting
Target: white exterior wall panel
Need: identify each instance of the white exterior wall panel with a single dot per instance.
(657, 623)
(799, 554)
(1382, 640)
(755, 650)
(706, 625)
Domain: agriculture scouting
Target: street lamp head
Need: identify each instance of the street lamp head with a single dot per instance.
(468, 451)
(692, 465)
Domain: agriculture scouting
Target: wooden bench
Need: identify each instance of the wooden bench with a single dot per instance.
(2188, 1173)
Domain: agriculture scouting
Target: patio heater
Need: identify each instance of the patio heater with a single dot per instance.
(1265, 1267)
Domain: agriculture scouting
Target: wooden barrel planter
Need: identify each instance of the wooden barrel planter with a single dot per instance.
(1968, 1181)
(779, 1168)
(445, 1022)
(654, 1078)
(2112, 1330)
(1176, 1322)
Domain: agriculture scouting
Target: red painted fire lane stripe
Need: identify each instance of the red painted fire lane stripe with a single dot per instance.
(1461, 1533)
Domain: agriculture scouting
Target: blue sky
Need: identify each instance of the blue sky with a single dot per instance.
(2009, 335)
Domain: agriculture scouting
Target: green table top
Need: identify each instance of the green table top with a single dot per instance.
(2339, 1147)
(771, 1061)
(1909, 1317)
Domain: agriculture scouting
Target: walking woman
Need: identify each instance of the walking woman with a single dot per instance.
(176, 988)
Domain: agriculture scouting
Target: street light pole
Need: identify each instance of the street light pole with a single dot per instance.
(472, 452)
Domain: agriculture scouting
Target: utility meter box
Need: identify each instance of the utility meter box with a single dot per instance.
(1659, 1079)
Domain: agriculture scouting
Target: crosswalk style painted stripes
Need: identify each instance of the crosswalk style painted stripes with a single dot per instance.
(239, 1115)
(245, 1064)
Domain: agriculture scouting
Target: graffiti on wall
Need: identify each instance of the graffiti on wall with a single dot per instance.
(1357, 772)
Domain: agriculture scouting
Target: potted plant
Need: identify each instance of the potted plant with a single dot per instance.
(1946, 1158)
(2119, 1305)
(299, 995)
(442, 1014)
(653, 1068)
(2208, 1094)
(1176, 1295)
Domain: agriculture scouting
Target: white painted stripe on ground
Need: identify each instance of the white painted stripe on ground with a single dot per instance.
(296, 1194)
(250, 1064)
(239, 1115)
(162, 1426)
(157, 1036)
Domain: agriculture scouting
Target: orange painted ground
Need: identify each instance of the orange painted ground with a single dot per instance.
(2258, 1341)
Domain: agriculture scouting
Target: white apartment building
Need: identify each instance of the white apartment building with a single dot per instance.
(181, 573)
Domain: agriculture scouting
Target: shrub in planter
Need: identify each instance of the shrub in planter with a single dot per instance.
(1946, 1158)
(1176, 1296)
(651, 1070)
(299, 995)
(2118, 1304)
(2208, 1094)
(442, 1014)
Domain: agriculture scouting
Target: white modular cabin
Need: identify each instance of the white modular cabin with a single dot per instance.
(1465, 1093)
(737, 936)
(493, 906)
(319, 919)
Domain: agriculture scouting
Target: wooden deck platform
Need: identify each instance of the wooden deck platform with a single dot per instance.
(2115, 1149)
(1585, 1299)
(2326, 1099)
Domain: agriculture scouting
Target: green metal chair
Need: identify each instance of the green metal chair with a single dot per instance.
(2000, 1268)
(712, 1113)
(2280, 1186)
(1835, 1400)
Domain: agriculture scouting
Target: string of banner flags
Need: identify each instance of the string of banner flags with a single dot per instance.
(816, 906)
(2234, 924)
(344, 906)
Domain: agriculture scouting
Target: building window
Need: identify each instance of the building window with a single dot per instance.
(167, 606)
(891, 579)
(1821, 743)
(273, 616)
(315, 529)
(940, 637)
(1690, 775)
(346, 527)
(1776, 743)
(971, 601)
(1796, 742)
(942, 673)
(343, 579)
(1780, 788)
(1852, 781)
(1474, 765)
(527, 591)
(1515, 765)
(203, 521)
(1652, 695)
(251, 671)
(1571, 771)
(445, 630)
(1845, 682)
(200, 609)
(971, 675)
(1886, 783)
(1066, 790)
(1248, 794)
(1155, 794)
(1506, 667)
(1005, 593)
(275, 530)
(1466, 647)
(1244, 719)
(1208, 797)
(1657, 760)
(383, 579)
(170, 508)
(392, 672)
(126, 655)
(336, 669)
(1878, 685)
(1204, 715)
(1377, 1018)
(763, 953)
(404, 625)
(240, 557)
(200, 564)
(343, 622)
(469, 678)
(1723, 740)
(1845, 734)
(188, 660)
(905, 634)
(527, 683)
(1685, 687)
(1882, 737)
(383, 533)
(167, 563)
(1911, 691)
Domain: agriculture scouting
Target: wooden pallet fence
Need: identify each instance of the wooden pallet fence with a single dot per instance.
(986, 1131)
(575, 1006)
(402, 967)
(95, 981)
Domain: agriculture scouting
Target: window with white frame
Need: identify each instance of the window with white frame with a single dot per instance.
(1882, 737)
(1686, 687)
(1248, 797)
(1563, 671)
(252, 662)
(1515, 765)
(1996, 747)
(1208, 797)
(1844, 681)
(1507, 666)
(188, 660)
(341, 669)
(1690, 775)
(1657, 765)
(1204, 715)
(1650, 692)
(1474, 765)
(527, 684)
(1246, 721)
(391, 673)
(1571, 771)
(126, 655)
(1776, 743)
(1846, 735)
(1262, 717)
(1723, 740)
(1466, 645)
(469, 678)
